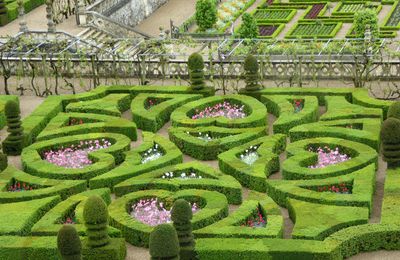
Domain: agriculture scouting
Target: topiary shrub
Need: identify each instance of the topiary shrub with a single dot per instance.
(394, 110)
(251, 73)
(196, 66)
(163, 243)
(206, 14)
(3, 162)
(95, 215)
(181, 215)
(68, 243)
(14, 143)
(390, 138)
(249, 28)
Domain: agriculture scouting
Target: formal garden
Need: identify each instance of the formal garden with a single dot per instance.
(258, 129)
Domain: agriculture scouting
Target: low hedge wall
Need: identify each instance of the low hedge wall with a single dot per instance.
(299, 158)
(132, 166)
(92, 123)
(104, 159)
(214, 206)
(223, 139)
(362, 185)
(364, 130)
(391, 200)
(46, 187)
(256, 113)
(254, 176)
(361, 97)
(154, 118)
(211, 180)
(3, 100)
(283, 108)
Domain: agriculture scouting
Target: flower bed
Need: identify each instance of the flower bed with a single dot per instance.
(256, 220)
(266, 30)
(152, 154)
(182, 175)
(151, 102)
(341, 188)
(225, 109)
(153, 212)
(314, 12)
(250, 156)
(75, 156)
(17, 186)
(327, 157)
(69, 219)
(75, 121)
(298, 105)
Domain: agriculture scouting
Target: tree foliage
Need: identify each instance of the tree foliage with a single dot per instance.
(206, 14)
(363, 19)
(249, 28)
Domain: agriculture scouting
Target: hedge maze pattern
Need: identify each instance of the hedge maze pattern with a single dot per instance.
(327, 224)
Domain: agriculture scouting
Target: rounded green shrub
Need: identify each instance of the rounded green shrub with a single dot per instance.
(249, 28)
(163, 243)
(390, 131)
(394, 110)
(95, 215)
(181, 215)
(196, 66)
(68, 243)
(14, 143)
(252, 77)
(206, 14)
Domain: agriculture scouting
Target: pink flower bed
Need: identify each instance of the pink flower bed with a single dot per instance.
(327, 157)
(17, 186)
(225, 109)
(75, 156)
(152, 212)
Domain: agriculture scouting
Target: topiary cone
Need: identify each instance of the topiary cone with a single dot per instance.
(394, 110)
(252, 77)
(163, 243)
(95, 215)
(390, 139)
(68, 243)
(196, 74)
(14, 143)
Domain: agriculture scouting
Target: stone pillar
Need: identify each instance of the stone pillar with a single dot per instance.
(51, 27)
(80, 13)
(21, 15)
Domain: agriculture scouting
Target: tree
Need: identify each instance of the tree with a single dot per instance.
(196, 73)
(249, 28)
(68, 243)
(252, 76)
(206, 14)
(181, 215)
(14, 143)
(363, 19)
(95, 215)
(390, 138)
(163, 243)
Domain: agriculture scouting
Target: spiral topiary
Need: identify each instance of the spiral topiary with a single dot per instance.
(196, 66)
(390, 138)
(252, 77)
(181, 215)
(163, 243)
(68, 243)
(394, 110)
(14, 143)
(95, 215)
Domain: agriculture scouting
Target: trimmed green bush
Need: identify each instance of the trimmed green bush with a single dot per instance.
(249, 28)
(163, 243)
(364, 18)
(95, 215)
(252, 76)
(68, 243)
(3, 162)
(206, 14)
(394, 110)
(14, 143)
(390, 137)
(3, 12)
(196, 73)
(181, 216)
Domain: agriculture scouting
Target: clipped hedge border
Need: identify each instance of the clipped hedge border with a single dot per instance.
(214, 206)
(211, 179)
(104, 159)
(47, 187)
(92, 123)
(132, 165)
(254, 176)
(364, 130)
(154, 118)
(227, 138)
(299, 158)
(282, 107)
(332, 34)
(390, 206)
(361, 97)
(256, 113)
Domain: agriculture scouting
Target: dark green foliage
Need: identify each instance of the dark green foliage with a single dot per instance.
(390, 137)
(14, 143)
(206, 14)
(95, 215)
(181, 216)
(3, 162)
(68, 243)
(364, 18)
(394, 110)
(3, 12)
(164, 243)
(249, 28)
(196, 66)
(251, 73)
